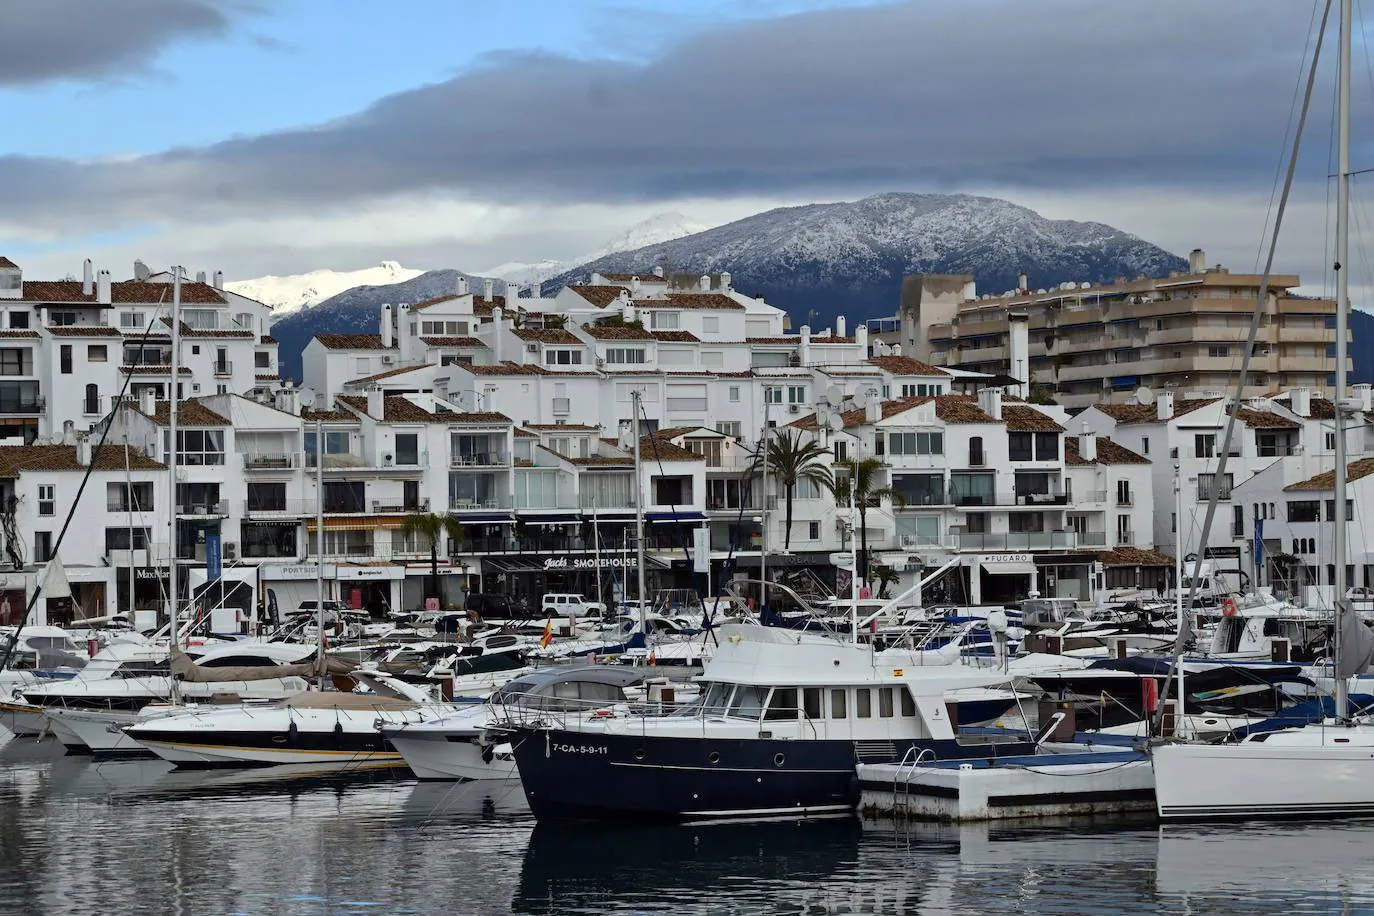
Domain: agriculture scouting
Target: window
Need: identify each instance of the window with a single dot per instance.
(663, 321)
(42, 546)
(732, 428)
(1025, 521)
(885, 702)
(1123, 529)
(47, 497)
(200, 446)
(562, 357)
(1205, 445)
(908, 391)
(132, 320)
(1123, 493)
(916, 443)
(91, 403)
(811, 702)
(13, 362)
(863, 703)
(1304, 510)
(747, 702)
(344, 496)
(1237, 521)
(408, 449)
(1330, 442)
(96, 353)
(126, 539)
(1218, 352)
(130, 497)
(19, 320)
(908, 704)
(1173, 523)
(266, 497)
(1205, 483)
(1349, 510)
(838, 708)
(262, 360)
(782, 704)
(1144, 445)
(1019, 446)
(841, 450)
(201, 319)
(61, 319)
(772, 394)
(796, 394)
(1046, 446)
(975, 451)
(244, 320)
(624, 355)
(710, 324)
(66, 358)
(734, 394)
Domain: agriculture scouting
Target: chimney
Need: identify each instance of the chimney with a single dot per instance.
(289, 401)
(804, 348)
(840, 326)
(497, 332)
(1364, 393)
(512, 293)
(1087, 443)
(990, 400)
(704, 284)
(87, 279)
(970, 290)
(1300, 399)
(725, 281)
(535, 291)
(634, 286)
(102, 287)
(626, 437)
(83, 451)
(488, 290)
(1197, 261)
(1164, 405)
(141, 271)
(461, 285)
(147, 401)
(1018, 352)
(896, 349)
(658, 272)
(861, 338)
(1022, 282)
(385, 325)
(219, 279)
(200, 276)
(404, 340)
(627, 312)
(376, 402)
(69, 432)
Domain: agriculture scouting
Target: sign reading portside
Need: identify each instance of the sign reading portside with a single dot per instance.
(557, 563)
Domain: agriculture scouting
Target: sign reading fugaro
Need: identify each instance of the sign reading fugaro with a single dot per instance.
(589, 563)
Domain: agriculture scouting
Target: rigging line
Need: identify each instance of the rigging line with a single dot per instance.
(1241, 378)
(107, 424)
(1288, 128)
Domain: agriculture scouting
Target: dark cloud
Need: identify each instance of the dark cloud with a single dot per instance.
(46, 40)
(1065, 94)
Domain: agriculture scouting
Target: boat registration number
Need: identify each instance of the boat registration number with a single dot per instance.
(580, 749)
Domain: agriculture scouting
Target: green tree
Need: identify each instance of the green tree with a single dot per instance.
(432, 527)
(863, 473)
(792, 459)
(883, 577)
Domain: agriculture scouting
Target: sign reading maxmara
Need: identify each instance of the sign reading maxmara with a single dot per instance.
(588, 563)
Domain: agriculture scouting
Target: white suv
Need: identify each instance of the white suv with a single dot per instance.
(564, 605)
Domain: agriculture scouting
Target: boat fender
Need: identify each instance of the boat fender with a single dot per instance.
(338, 733)
(293, 733)
(488, 752)
(1228, 607)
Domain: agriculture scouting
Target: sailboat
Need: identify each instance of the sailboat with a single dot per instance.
(1325, 768)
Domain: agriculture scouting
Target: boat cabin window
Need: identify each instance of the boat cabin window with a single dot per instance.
(863, 703)
(782, 704)
(598, 693)
(811, 702)
(1040, 613)
(885, 702)
(837, 705)
(748, 702)
(716, 698)
(908, 703)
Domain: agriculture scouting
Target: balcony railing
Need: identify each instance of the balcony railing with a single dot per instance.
(1018, 540)
(399, 505)
(203, 508)
(92, 407)
(1125, 500)
(338, 461)
(479, 503)
(480, 460)
(1125, 538)
(263, 462)
(1008, 498)
(13, 405)
(560, 501)
(1092, 538)
(224, 368)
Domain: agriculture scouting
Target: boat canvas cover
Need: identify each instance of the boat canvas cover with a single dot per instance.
(183, 668)
(1357, 646)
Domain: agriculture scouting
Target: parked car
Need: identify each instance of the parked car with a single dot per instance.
(491, 606)
(562, 604)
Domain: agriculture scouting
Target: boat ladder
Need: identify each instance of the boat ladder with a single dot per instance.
(901, 791)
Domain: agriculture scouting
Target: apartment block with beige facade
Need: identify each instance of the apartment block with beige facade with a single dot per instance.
(1083, 344)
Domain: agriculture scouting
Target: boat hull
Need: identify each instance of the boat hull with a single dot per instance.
(96, 732)
(594, 775)
(267, 738)
(1259, 780)
(23, 719)
(457, 755)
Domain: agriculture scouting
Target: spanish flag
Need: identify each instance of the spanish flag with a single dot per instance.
(548, 633)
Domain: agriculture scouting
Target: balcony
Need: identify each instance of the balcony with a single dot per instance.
(493, 459)
(338, 461)
(1008, 499)
(281, 508)
(537, 501)
(1125, 500)
(1125, 538)
(92, 407)
(1017, 540)
(224, 369)
(220, 508)
(22, 404)
(396, 506)
(1092, 538)
(479, 503)
(264, 462)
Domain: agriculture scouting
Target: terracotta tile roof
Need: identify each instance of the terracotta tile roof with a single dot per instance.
(1327, 479)
(1108, 452)
(396, 409)
(452, 341)
(606, 332)
(951, 408)
(121, 293)
(424, 304)
(351, 341)
(580, 427)
(650, 277)
(525, 434)
(188, 331)
(477, 302)
(904, 365)
(1149, 413)
(327, 416)
(82, 330)
(718, 301)
(1263, 419)
(266, 339)
(27, 334)
(152, 370)
(599, 296)
(675, 336)
(389, 373)
(1028, 419)
(789, 341)
(506, 368)
(7, 263)
(746, 373)
(547, 335)
(524, 463)
(602, 461)
(831, 339)
(264, 378)
(15, 459)
(1134, 556)
(1322, 408)
(657, 448)
(189, 413)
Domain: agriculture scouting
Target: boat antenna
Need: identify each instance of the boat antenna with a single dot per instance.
(1218, 478)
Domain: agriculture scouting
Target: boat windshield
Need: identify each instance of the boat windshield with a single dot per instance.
(714, 699)
(747, 702)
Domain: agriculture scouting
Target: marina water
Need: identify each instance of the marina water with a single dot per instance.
(80, 836)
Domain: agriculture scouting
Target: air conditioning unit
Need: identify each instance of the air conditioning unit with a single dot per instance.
(231, 550)
(388, 359)
(531, 348)
(386, 459)
(600, 362)
(794, 408)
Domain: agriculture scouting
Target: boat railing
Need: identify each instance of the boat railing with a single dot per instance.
(913, 758)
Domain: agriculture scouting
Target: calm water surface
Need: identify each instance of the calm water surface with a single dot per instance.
(137, 837)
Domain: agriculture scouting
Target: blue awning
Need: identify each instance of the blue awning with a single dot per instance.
(550, 518)
(489, 517)
(686, 516)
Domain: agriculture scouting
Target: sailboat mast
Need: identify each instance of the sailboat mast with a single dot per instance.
(172, 395)
(639, 514)
(319, 547)
(1178, 586)
(1339, 483)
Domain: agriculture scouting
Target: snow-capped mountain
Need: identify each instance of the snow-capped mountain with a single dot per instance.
(849, 258)
(656, 229)
(292, 293)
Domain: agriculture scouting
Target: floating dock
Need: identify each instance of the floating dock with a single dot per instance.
(1033, 785)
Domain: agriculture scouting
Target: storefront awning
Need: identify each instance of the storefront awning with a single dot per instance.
(486, 518)
(686, 516)
(1009, 568)
(358, 523)
(549, 518)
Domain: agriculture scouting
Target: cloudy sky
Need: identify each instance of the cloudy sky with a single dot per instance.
(279, 136)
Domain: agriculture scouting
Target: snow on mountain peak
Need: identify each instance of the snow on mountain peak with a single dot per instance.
(297, 291)
(662, 227)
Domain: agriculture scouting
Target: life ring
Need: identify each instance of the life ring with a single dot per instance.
(1228, 607)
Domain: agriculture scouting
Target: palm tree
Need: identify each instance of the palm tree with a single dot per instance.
(863, 472)
(790, 461)
(884, 576)
(432, 527)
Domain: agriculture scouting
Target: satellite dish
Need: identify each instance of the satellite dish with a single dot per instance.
(860, 400)
(836, 423)
(834, 395)
(1144, 395)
